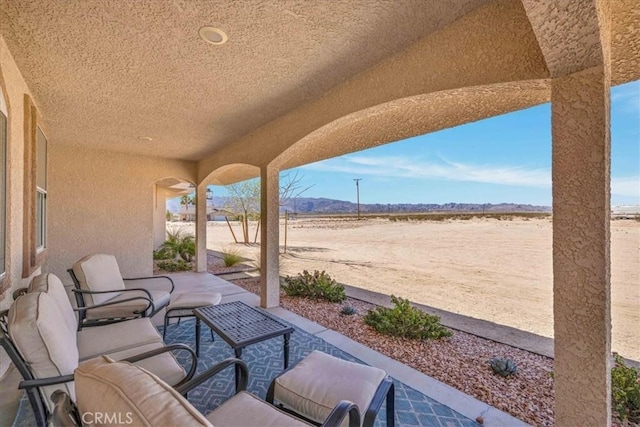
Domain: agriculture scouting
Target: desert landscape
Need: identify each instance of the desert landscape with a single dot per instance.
(491, 269)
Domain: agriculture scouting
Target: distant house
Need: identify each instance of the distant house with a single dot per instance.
(189, 214)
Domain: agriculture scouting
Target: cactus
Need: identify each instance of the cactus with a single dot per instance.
(503, 366)
(348, 310)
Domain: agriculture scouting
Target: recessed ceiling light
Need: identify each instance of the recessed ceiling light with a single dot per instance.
(145, 138)
(213, 35)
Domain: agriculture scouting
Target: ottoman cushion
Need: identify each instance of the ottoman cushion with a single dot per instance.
(244, 409)
(319, 381)
(184, 303)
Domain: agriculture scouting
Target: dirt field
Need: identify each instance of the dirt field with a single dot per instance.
(498, 270)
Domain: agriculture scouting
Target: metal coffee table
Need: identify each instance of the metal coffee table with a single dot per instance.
(241, 325)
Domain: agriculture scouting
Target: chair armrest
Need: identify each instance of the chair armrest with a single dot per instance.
(18, 292)
(173, 286)
(41, 382)
(65, 412)
(341, 410)
(243, 372)
(165, 349)
(108, 303)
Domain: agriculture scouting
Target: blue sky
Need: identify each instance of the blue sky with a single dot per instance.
(501, 159)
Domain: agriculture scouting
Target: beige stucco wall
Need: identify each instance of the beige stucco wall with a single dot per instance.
(103, 202)
(14, 89)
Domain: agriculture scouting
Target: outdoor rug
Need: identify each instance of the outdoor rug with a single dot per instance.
(265, 362)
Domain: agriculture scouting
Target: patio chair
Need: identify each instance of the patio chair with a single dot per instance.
(98, 281)
(39, 334)
(128, 394)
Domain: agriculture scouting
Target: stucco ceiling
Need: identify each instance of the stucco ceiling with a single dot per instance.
(113, 71)
(104, 73)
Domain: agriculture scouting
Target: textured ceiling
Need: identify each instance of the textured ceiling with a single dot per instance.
(104, 73)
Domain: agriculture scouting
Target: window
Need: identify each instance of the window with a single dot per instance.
(3, 180)
(41, 191)
(34, 249)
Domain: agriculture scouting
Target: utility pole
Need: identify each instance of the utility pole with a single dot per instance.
(357, 180)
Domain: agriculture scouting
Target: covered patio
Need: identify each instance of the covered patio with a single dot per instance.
(102, 101)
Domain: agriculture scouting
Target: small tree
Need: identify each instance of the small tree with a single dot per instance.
(290, 188)
(244, 201)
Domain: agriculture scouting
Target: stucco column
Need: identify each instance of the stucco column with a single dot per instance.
(269, 237)
(581, 257)
(201, 228)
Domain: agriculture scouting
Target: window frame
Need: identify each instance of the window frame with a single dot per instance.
(4, 111)
(33, 256)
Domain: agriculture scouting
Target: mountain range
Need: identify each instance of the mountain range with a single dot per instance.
(327, 206)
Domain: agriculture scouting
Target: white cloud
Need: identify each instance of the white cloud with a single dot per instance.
(626, 97)
(627, 186)
(410, 168)
(406, 167)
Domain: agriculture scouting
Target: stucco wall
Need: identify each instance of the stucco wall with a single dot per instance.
(14, 89)
(103, 202)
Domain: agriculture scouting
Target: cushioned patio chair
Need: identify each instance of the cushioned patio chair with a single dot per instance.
(98, 282)
(131, 395)
(39, 333)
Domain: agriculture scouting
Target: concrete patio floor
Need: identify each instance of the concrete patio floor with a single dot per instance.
(436, 390)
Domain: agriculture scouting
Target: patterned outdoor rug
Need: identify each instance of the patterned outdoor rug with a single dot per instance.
(265, 361)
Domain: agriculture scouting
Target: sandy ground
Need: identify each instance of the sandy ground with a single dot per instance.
(497, 270)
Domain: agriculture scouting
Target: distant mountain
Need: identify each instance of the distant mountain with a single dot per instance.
(323, 205)
(331, 206)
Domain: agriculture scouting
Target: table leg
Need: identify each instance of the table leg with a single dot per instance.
(238, 352)
(286, 350)
(198, 337)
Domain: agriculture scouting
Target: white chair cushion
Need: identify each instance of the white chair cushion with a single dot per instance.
(141, 398)
(184, 303)
(164, 366)
(46, 345)
(246, 410)
(115, 337)
(320, 381)
(99, 272)
(51, 284)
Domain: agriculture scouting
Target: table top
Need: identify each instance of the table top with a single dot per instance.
(240, 324)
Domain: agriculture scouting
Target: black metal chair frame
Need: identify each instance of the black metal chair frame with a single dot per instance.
(385, 391)
(32, 385)
(198, 328)
(148, 311)
(66, 414)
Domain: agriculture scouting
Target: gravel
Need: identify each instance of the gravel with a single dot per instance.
(461, 361)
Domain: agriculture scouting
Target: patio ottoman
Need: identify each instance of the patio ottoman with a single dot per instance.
(183, 305)
(314, 386)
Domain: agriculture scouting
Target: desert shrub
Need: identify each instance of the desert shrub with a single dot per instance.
(163, 253)
(406, 321)
(348, 310)
(230, 257)
(503, 366)
(180, 244)
(174, 265)
(318, 285)
(625, 391)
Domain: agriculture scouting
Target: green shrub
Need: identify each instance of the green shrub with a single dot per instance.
(230, 257)
(625, 391)
(405, 321)
(318, 285)
(164, 253)
(173, 265)
(180, 243)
